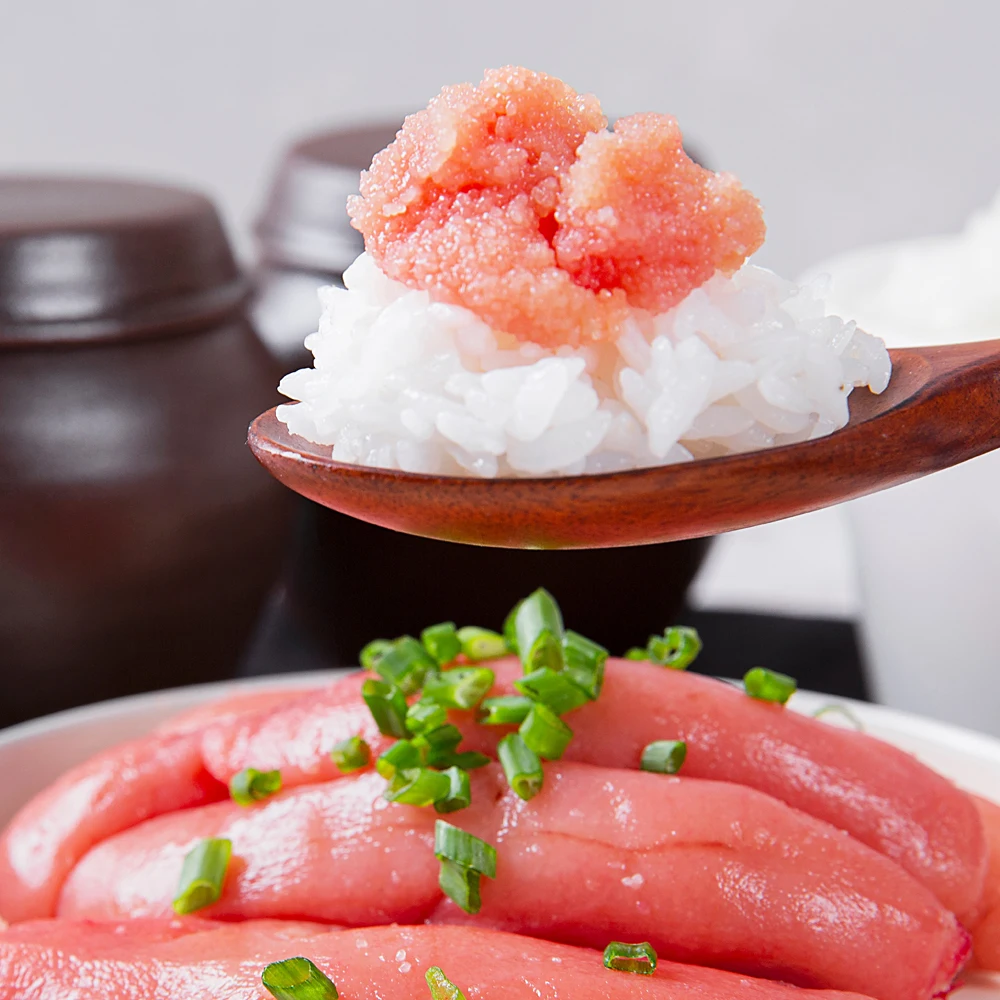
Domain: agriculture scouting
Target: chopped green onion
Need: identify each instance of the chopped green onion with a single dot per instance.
(584, 662)
(451, 843)
(403, 755)
(635, 653)
(545, 733)
(664, 756)
(442, 642)
(521, 766)
(351, 754)
(464, 858)
(297, 979)
(460, 885)
(424, 715)
(768, 685)
(677, 648)
(510, 627)
(387, 705)
(419, 786)
(405, 664)
(554, 689)
(438, 745)
(251, 785)
(505, 710)
(545, 652)
(481, 643)
(630, 957)
(442, 988)
(469, 760)
(461, 687)
(373, 652)
(459, 794)
(203, 875)
(835, 709)
(538, 627)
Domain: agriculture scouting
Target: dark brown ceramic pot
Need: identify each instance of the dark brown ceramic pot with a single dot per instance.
(349, 581)
(304, 235)
(138, 538)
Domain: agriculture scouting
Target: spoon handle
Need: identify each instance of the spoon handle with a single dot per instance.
(954, 415)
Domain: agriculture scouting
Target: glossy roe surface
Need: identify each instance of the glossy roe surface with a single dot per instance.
(511, 199)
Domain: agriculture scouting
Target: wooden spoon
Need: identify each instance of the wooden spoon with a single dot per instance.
(942, 407)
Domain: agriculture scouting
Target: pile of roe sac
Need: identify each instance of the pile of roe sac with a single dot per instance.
(513, 199)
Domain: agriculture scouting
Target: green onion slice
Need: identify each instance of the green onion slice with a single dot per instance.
(635, 653)
(459, 793)
(438, 746)
(481, 643)
(510, 627)
(442, 642)
(461, 687)
(836, 709)
(403, 755)
(451, 843)
(768, 685)
(545, 733)
(297, 979)
(469, 760)
(203, 875)
(405, 664)
(371, 654)
(553, 688)
(464, 858)
(442, 988)
(677, 648)
(351, 754)
(538, 628)
(545, 652)
(424, 715)
(251, 785)
(521, 766)
(419, 786)
(584, 662)
(505, 710)
(664, 756)
(460, 885)
(624, 957)
(387, 705)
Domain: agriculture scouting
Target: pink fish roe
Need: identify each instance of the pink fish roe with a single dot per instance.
(512, 198)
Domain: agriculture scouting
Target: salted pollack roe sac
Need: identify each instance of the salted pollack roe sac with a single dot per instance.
(512, 199)
(636, 213)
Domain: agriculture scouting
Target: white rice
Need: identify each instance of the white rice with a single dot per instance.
(742, 363)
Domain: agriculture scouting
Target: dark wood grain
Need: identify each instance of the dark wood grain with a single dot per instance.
(942, 407)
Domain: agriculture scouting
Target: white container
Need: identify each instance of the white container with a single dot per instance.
(929, 559)
(928, 552)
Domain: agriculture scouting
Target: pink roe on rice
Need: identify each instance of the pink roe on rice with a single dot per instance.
(512, 198)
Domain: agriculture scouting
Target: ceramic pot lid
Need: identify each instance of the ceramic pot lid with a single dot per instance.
(304, 225)
(85, 259)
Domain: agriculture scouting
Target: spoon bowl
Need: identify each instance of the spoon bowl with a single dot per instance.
(941, 407)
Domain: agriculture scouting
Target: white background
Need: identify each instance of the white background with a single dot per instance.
(854, 122)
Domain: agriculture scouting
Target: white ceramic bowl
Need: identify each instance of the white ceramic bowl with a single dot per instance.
(34, 753)
(928, 552)
(918, 565)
